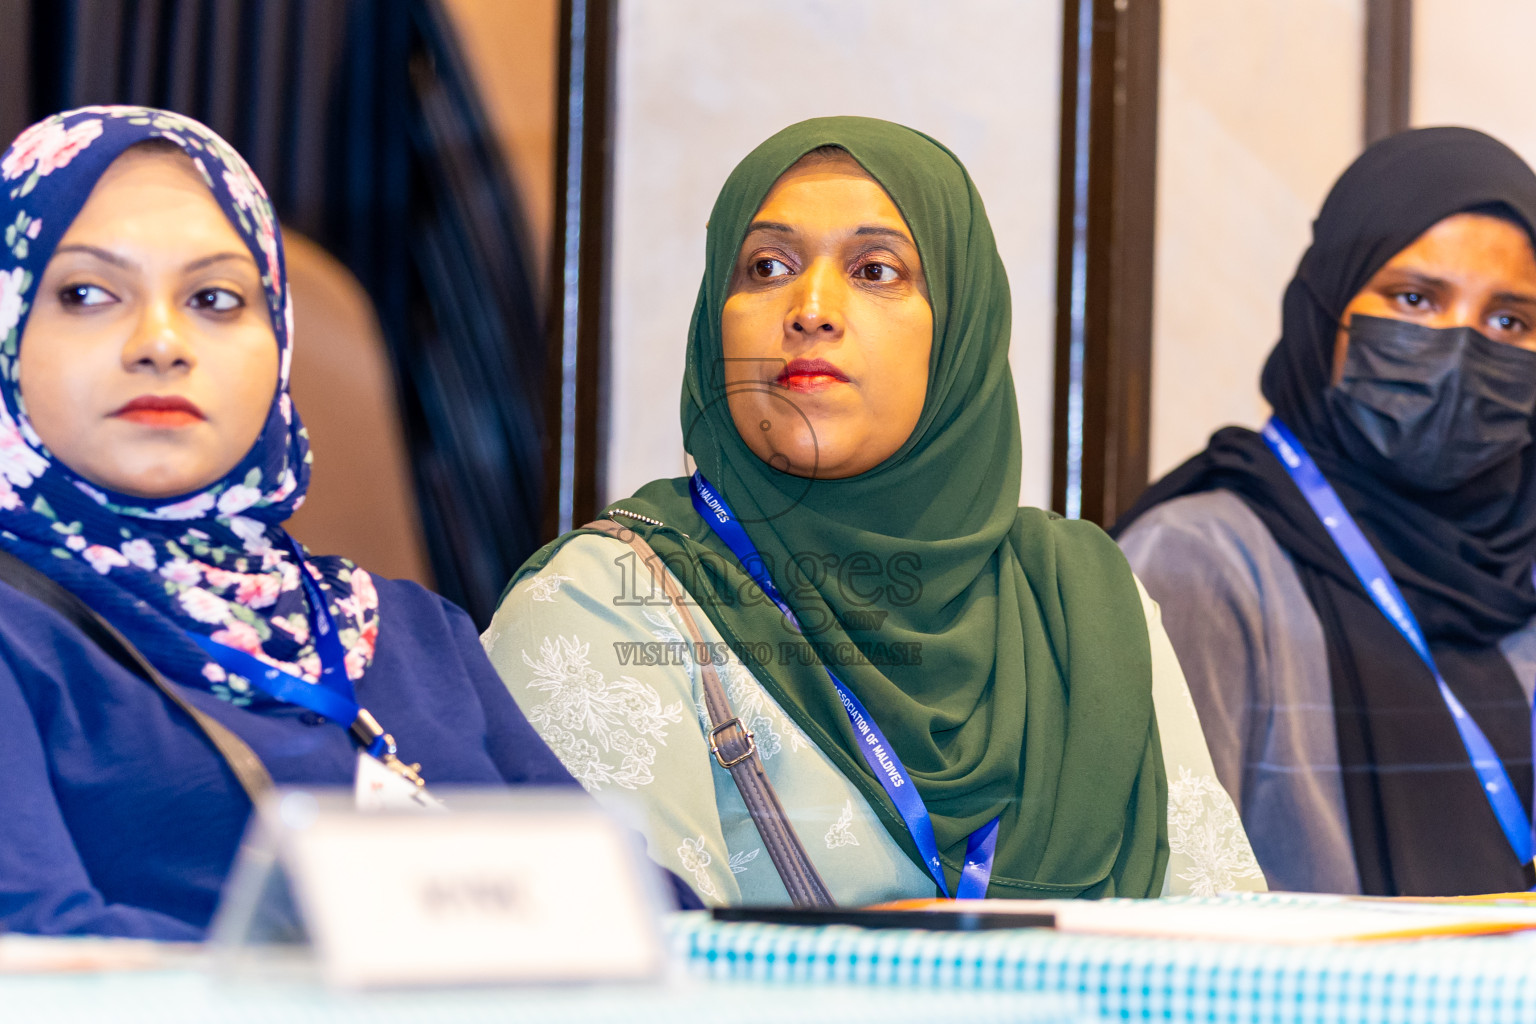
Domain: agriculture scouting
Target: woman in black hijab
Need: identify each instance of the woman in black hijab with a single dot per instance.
(1406, 370)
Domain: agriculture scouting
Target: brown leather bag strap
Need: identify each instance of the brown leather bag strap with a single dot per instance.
(237, 754)
(733, 745)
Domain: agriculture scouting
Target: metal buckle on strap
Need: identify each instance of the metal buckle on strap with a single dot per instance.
(365, 729)
(714, 745)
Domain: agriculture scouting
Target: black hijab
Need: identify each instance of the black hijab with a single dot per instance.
(1463, 560)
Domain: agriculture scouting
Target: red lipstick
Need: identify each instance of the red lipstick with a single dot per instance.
(161, 411)
(810, 375)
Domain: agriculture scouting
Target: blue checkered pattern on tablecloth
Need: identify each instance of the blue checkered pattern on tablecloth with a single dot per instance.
(1432, 981)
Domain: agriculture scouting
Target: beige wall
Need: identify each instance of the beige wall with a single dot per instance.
(703, 81)
(1260, 110)
(1472, 64)
(512, 48)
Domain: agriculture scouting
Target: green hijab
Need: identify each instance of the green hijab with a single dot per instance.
(1004, 652)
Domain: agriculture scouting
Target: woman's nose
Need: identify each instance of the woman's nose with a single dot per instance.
(1464, 307)
(817, 309)
(159, 342)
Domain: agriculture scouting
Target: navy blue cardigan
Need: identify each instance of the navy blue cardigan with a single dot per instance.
(117, 817)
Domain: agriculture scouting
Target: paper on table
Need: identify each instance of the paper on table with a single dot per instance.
(1505, 898)
(1277, 918)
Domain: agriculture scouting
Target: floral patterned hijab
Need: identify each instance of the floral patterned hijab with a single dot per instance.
(216, 561)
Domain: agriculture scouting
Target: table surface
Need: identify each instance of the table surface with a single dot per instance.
(190, 996)
(1485, 980)
(744, 973)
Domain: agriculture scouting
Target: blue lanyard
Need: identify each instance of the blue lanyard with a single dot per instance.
(332, 695)
(877, 750)
(1378, 583)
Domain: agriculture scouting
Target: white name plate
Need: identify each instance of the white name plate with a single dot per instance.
(508, 886)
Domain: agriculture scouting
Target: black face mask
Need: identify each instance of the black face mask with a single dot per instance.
(1439, 406)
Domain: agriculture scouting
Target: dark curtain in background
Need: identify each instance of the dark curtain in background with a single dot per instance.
(361, 118)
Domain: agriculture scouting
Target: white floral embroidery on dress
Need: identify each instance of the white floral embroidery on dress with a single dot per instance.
(743, 859)
(546, 585)
(769, 726)
(1205, 830)
(666, 632)
(618, 715)
(841, 832)
(696, 861)
(797, 739)
(751, 705)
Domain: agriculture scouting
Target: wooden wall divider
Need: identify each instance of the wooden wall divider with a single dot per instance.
(1388, 67)
(579, 266)
(1106, 222)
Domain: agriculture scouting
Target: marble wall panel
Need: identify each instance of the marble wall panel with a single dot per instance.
(1259, 109)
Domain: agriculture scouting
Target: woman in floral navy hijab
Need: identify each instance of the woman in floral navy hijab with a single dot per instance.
(149, 453)
(212, 561)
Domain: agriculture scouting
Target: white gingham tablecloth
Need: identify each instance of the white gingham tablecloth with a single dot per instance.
(1428, 981)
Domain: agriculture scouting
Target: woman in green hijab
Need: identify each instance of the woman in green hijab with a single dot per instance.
(950, 694)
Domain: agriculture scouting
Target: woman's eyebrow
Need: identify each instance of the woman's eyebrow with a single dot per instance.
(108, 256)
(105, 255)
(1403, 276)
(1420, 279)
(875, 229)
(218, 257)
(770, 225)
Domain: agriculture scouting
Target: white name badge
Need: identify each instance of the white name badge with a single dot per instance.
(378, 788)
(508, 886)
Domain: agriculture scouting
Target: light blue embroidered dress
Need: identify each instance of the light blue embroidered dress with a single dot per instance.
(611, 686)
